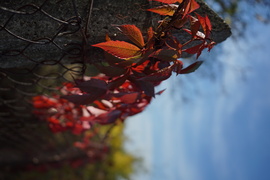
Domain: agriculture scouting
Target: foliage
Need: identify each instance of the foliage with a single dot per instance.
(129, 73)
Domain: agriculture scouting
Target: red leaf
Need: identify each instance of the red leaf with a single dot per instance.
(168, 1)
(119, 49)
(160, 75)
(128, 62)
(108, 118)
(194, 49)
(206, 24)
(165, 54)
(107, 37)
(160, 92)
(82, 99)
(197, 49)
(111, 59)
(190, 6)
(193, 6)
(95, 87)
(179, 23)
(166, 10)
(147, 87)
(191, 68)
(178, 66)
(133, 33)
(195, 26)
(173, 43)
(127, 98)
(41, 102)
(118, 82)
(150, 33)
(92, 85)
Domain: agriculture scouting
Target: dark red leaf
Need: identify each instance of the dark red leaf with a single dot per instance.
(160, 75)
(92, 85)
(178, 66)
(111, 59)
(118, 82)
(108, 118)
(129, 62)
(194, 49)
(83, 99)
(166, 54)
(160, 92)
(147, 87)
(179, 23)
(191, 68)
(195, 26)
(173, 43)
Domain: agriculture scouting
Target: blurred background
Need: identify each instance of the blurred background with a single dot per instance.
(213, 124)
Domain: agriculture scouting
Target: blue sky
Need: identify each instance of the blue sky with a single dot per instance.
(222, 132)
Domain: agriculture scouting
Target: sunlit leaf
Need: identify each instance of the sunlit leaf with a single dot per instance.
(119, 49)
(107, 38)
(166, 10)
(190, 6)
(191, 68)
(133, 33)
(205, 23)
(150, 33)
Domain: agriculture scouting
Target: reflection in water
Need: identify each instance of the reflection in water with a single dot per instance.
(221, 131)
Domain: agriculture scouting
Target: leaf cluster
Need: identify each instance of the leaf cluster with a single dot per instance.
(130, 71)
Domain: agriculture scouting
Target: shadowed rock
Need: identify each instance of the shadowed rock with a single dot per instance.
(48, 32)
